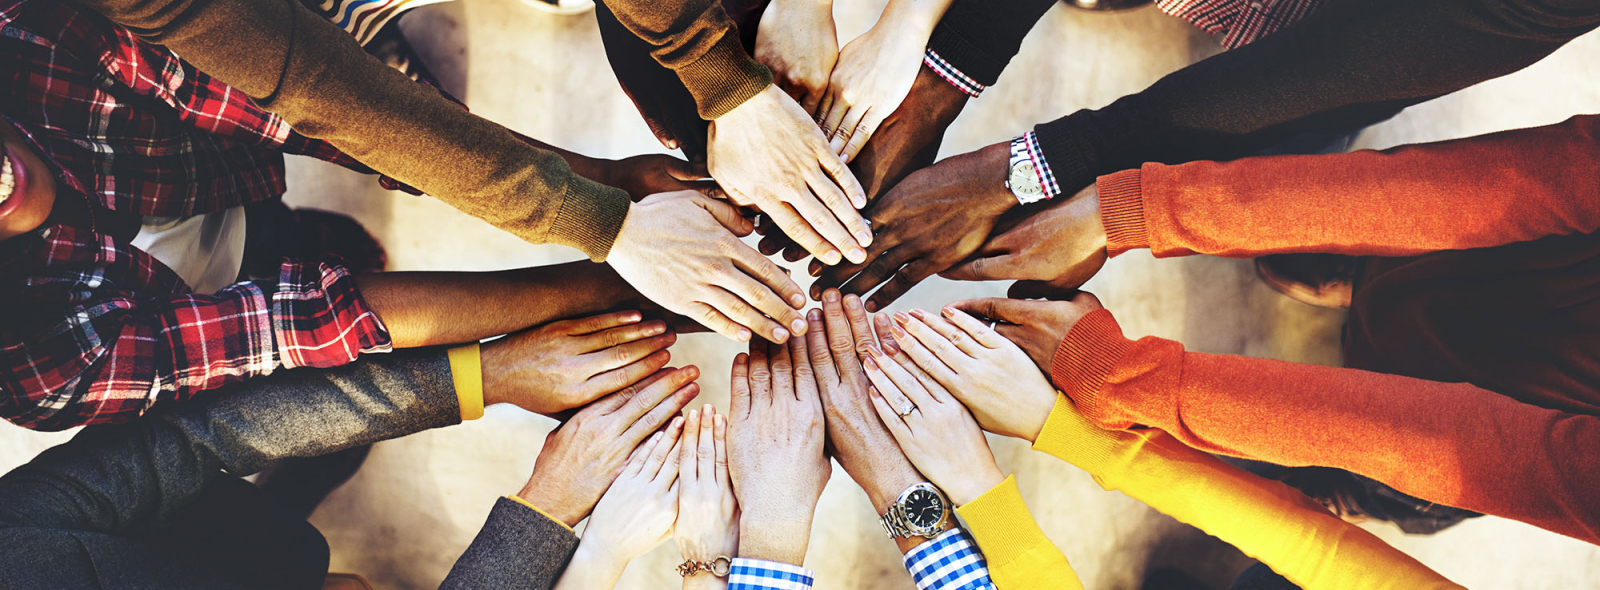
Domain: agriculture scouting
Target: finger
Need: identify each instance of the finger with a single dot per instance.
(735, 307)
(640, 456)
(923, 358)
(883, 326)
(686, 171)
(955, 335)
(605, 321)
(659, 449)
(626, 375)
(897, 425)
(833, 117)
(796, 227)
(691, 437)
(1000, 267)
(667, 475)
(616, 357)
(842, 342)
(848, 127)
(716, 321)
(783, 386)
(903, 379)
(864, 132)
(842, 176)
(1010, 311)
(856, 312)
(942, 348)
(833, 217)
(819, 349)
(792, 252)
(880, 269)
(705, 467)
(739, 390)
(805, 379)
(760, 375)
(777, 280)
(902, 282)
(720, 433)
(612, 336)
(726, 214)
(979, 331)
(663, 412)
(614, 402)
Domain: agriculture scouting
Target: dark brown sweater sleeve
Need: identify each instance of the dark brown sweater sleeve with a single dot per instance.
(315, 76)
(696, 39)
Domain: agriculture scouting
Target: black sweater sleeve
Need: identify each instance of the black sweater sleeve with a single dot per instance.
(1350, 64)
(979, 37)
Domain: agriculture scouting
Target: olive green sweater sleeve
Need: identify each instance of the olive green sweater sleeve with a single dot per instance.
(696, 39)
(316, 77)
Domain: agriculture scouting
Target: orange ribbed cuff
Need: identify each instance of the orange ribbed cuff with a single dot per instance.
(1085, 358)
(1122, 211)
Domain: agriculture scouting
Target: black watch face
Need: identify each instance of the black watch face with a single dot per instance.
(924, 508)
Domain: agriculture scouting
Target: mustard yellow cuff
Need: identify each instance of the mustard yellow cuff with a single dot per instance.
(466, 369)
(519, 500)
(1000, 522)
(1071, 437)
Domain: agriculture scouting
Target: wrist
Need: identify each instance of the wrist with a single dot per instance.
(886, 489)
(968, 488)
(596, 553)
(553, 505)
(771, 537)
(997, 197)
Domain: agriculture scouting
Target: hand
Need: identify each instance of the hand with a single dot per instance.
(839, 333)
(565, 364)
(775, 458)
(933, 429)
(874, 74)
(638, 510)
(708, 523)
(929, 222)
(1064, 245)
(582, 457)
(797, 41)
(647, 174)
(993, 377)
(768, 153)
(681, 250)
(1037, 327)
(907, 141)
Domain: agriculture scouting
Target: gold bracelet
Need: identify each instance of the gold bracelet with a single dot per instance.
(718, 567)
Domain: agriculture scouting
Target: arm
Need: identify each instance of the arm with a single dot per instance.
(1451, 443)
(1012, 540)
(875, 72)
(635, 515)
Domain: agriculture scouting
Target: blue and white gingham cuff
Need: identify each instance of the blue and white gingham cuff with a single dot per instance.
(755, 574)
(950, 561)
(1047, 178)
(952, 75)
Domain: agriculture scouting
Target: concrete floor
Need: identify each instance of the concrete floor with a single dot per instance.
(418, 501)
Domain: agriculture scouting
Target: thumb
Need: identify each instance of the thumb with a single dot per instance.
(726, 214)
(988, 268)
(685, 170)
(1010, 311)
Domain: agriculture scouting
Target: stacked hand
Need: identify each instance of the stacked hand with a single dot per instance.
(565, 364)
(637, 512)
(874, 73)
(775, 456)
(1064, 246)
(1036, 327)
(708, 514)
(798, 42)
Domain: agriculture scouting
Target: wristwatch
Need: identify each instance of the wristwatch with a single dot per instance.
(1023, 176)
(920, 511)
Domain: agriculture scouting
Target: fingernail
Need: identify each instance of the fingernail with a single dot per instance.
(694, 414)
(657, 436)
(919, 314)
(655, 329)
(797, 300)
(897, 331)
(720, 420)
(831, 295)
(873, 389)
(815, 268)
(631, 318)
(830, 257)
(859, 199)
(780, 334)
(743, 335)
(890, 349)
(798, 326)
(901, 318)
(873, 350)
(814, 315)
(872, 306)
(948, 312)
(856, 255)
(864, 237)
(677, 422)
(870, 364)
(816, 292)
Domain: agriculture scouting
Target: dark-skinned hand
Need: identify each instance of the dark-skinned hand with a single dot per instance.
(1063, 245)
(1036, 326)
(931, 221)
(647, 174)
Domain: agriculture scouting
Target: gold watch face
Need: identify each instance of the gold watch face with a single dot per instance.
(1024, 180)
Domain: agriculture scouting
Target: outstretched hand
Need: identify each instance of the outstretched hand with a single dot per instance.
(708, 514)
(775, 456)
(1063, 245)
(565, 364)
(1037, 327)
(799, 43)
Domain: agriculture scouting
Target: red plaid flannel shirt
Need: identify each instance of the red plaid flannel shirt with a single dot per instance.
(1239, 22)
(94, 330)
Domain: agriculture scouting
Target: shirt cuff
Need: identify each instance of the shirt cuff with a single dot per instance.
(519, 500)
(724, 77)
(756, 574)
(319, 318)
(950, 561)
(1122, 211)
(952, 75)
(466, 370)
(590, 217)
(1041, 166)
(1085, 357)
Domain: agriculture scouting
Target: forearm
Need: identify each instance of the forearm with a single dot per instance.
(907, 17)
(314, 75)
(591, 569)
(780, 538)
(1450, 443)
(1477, 192)
(704, 582)
(1269, 521)
(1349, 64)
(435, 308)
(978, 38)
(1019, 553)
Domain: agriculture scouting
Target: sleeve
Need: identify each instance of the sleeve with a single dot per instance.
(950, 561)
(314, 75)
(1349, 64)
(466, 367)
(756, 574)
(1477, 192)
(112, 355)
(976, 39)
(1450, 443)
(696, 39)
(519, 548)
(1266, 520)
(1020, 555)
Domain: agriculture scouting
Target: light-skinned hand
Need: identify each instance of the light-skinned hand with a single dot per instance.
(933, 429)
(775, 455)
(1063, 245)
(769, 154)
(798, 42)
(1037, 327)
(682, 251)
(582, 457)
(929, 222)
(708, 514)
(639, 509)
(565, 364)
(994, 378)
(875, 72)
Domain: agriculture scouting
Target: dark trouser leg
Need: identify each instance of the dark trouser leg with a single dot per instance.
(236, 532)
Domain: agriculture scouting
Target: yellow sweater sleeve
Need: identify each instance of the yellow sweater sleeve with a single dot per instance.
(1265, 519)
(466, 371)
(1020, 556)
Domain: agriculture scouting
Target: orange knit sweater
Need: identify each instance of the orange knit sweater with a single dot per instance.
(1451, 443)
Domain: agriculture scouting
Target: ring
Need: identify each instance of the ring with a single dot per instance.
(906, 410)
(991, 325)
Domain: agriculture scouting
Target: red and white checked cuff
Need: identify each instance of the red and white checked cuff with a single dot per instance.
(1047, 178)
(952, 75)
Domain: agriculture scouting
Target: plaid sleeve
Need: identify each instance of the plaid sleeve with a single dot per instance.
(320, 320)
(755, 574)
(950, 561)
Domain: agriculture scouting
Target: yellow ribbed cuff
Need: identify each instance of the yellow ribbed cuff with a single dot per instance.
(1000, 522)
(466, 370)
(1069, 436)
(519, 500)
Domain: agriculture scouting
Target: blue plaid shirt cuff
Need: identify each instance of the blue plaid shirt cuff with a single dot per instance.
(950, 561)
(755, 574)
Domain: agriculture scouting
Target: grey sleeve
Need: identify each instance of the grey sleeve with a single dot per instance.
(518, 549)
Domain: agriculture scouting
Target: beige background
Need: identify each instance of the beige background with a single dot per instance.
(418, 501)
